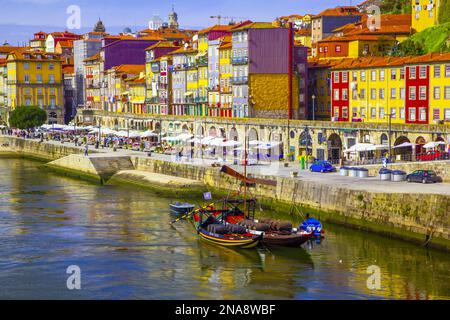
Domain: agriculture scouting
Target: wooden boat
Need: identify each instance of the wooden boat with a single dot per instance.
(181, 208)
(217, 232)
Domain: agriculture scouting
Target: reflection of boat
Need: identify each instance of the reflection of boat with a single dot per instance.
(181, 208)
(229, 235)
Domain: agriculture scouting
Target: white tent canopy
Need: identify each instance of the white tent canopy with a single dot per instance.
(405, 145)
(432, 145)
(148, 134)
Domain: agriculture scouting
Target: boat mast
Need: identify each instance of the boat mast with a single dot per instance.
(245, 171)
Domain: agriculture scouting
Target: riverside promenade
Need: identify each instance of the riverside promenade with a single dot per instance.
(413, 212)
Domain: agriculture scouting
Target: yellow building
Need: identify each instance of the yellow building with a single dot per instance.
(35, 78)
(377, 89)
(202, 63)
(226, 73)
(191, 82)
(424, 14)
(136, 88)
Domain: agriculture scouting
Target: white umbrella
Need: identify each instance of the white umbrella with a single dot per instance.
(432, 145)
(148, 133)
(404, 145)
(360, 147)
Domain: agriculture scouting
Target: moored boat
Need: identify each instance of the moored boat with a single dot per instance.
(181, 208)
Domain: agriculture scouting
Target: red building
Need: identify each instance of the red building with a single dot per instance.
(340, 96)
(417, 94)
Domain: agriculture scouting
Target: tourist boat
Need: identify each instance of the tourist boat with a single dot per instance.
(225, 234)
(181, 208)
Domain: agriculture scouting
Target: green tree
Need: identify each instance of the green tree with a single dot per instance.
(26, 117)
(409, 48)
(444, 11)
(396, 6)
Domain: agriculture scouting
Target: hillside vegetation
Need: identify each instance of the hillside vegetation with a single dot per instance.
(433, 39)
(396, 6)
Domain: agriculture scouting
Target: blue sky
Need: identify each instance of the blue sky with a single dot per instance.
(136, 13)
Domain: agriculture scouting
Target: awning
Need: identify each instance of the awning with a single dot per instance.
(189, 93)
(360, 147)
(432, 145)
(404, 145)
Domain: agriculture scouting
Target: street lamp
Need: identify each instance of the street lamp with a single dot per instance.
(390, 135)
(313, 106)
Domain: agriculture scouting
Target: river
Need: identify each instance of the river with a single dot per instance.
(121, 240)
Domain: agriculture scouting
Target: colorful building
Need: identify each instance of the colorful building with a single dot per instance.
(35, 78)
(425, 14)
(4, 106)
(225, 76)
(136, 88)
(38, 41)
(70, 105)
(410, 90)
(261, 72)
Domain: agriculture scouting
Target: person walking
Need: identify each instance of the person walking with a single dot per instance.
(86, 150)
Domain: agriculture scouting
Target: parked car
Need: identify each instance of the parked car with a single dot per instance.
(423, 176)
(322, 166)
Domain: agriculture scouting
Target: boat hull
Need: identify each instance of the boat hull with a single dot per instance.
(238, 242)
(292, 240)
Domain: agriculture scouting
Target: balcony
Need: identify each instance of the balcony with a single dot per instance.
(239, 60)
(201, 99)
(239, 80)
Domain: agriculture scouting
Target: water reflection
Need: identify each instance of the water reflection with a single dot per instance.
(121, 239)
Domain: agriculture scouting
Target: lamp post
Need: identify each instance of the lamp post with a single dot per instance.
(391, 114)
(313, 97)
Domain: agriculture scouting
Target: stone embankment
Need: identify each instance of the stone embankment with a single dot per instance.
(413, 216)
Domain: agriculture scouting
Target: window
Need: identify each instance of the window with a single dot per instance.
(412, 114)
(373, 94)
(402, 113)
(402, 73)
(373, 75)
(354, 76)
(381, 94)
(412, 72)
(38, 66)
(26, 78)
(412, 93)
(437, 71)
(436, 114)
(393, 113)
(393, 74)
(51, 78)
(344, 94)
(447, 70)
(423, 72)
(402, 93)
(381, 113)
(423, 114)
(422, 93)
(447, 114)
(39, 78)
(373, 113)
(437, 93)
(345, 112)
(338, 49)
(336, 112)
(393, 93)
(26, 66)
(51, 66)
(336, 77)
(382, 74)
(363, 76)
(344, 77)
(363, 93)
(355, 94)
(336, 94)
(447, 93)
(363, 112)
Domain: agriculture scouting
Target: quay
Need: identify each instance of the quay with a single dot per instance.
(407, 211)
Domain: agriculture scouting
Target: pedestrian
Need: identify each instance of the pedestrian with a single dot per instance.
(86, 150)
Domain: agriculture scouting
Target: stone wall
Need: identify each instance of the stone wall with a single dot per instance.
(442, 168)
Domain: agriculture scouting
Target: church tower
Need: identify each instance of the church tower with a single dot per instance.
(173, 19)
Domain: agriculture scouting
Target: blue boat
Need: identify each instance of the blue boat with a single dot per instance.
(181, 208)
(312, 225)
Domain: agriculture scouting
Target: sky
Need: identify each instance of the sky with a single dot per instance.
(20, 17)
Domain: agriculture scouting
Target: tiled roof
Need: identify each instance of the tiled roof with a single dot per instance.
(255, 25)
(130, 68)
(162, 44)
(68, 70)
(356, 37)
(184, 50)
(93, 58)
(21, 53)
(340, 11)
(66, 44)
(216, 27)
(8, 49)
(389, 24)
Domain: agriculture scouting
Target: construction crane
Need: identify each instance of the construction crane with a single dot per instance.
(231, 19)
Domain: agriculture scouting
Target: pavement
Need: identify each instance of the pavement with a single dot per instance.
(277, 169)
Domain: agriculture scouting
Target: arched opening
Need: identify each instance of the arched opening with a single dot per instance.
(253, 142)
(384, 140)
(305, 143)
(334, 148)
(440, 147)
(402, 149)
(276, 151)
(185, 128)
(420, 142)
